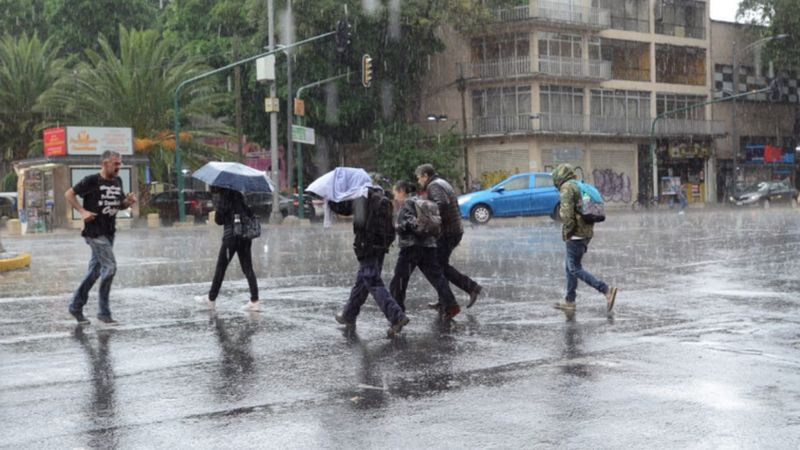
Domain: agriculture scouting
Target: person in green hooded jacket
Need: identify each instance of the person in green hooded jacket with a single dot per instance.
(576, 233)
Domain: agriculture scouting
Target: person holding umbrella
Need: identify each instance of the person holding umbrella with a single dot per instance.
(229, 182)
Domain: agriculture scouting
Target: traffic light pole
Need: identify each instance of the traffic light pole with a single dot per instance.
(177, 108)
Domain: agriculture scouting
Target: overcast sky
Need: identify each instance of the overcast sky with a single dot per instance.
(724, 10)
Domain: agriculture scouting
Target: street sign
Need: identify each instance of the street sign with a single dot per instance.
(272, 105)
(299, 107)
(303, 135)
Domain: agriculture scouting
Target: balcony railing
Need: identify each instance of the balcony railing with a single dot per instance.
(554, 67)
(593, 125)
(575, 68)
(553, 12)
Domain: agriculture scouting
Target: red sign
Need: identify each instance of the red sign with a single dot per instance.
(55, 142)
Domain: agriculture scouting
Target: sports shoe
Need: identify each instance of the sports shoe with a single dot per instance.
(78, 315)
(108, 321)
(252, 306)
(611, 295)
(434, 305)
(473, 296)
(204, 302)
(342, 320)
(448, 313)
(395, 329)
(565, 306)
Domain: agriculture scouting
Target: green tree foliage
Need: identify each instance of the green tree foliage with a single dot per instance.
(22, 16)
(772, 18)
(29, 69)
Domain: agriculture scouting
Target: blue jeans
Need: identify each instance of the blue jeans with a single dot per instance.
(368, 281)
(102, 265)
(575, 272)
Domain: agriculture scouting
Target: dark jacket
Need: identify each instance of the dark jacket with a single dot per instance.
(406, 225)
(364, 244)
(228, 203)
(441, 192)
(573, 224)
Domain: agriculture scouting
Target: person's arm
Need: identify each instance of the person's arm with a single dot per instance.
(438, 195)
(72, 199)
(130, 199)
(567, 212)
(407, 218)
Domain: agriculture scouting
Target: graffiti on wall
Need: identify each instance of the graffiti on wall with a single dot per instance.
(614, 186)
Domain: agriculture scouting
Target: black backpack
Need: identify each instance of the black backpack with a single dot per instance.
(379, 226)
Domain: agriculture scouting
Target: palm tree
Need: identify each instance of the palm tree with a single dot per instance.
(135, 89)
(29, 68)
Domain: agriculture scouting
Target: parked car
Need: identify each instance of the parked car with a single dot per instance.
(766, 193)
(261, 204)
(525, 194)
(8, 204)
(197, 204)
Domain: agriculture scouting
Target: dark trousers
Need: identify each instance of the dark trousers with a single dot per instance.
(368, 281)
(241, 247)
(425, 258)
(444, 248)
(102, 265)
(575, 272)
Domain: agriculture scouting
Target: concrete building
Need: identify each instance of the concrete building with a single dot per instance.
(761, 125)
(579, 81)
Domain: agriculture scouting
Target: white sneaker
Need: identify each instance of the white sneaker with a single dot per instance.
(204, 303)
(252, 306)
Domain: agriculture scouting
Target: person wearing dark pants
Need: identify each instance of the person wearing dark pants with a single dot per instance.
(417, 249)
(442, 193)
(103, 197)
(576, 233)
(374, 234)
(229, 206)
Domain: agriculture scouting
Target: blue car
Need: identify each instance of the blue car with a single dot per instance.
(524, 194)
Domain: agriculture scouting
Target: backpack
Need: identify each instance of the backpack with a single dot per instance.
(249, 226)
(591, 206)
(380, 220)
(429, 222)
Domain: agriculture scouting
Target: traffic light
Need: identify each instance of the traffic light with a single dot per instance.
(344, 35)
(366, 70)
(776, 89)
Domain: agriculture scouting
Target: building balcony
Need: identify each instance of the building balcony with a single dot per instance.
(581, 124)
(559, 68)
(557, 14)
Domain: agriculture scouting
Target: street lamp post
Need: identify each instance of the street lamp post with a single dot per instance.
(736, 145)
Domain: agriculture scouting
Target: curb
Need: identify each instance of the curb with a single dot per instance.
(15, 262)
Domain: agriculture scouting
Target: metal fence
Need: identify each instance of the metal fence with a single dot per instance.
(557, 12)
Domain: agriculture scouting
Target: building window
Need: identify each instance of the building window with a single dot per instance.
(617, 103)
(680, 65)
(506, 46)
(681, 18)
(502, 102)
(561, 100)
(629, 60)
(559, 45)
(630, 15)
(671, 102)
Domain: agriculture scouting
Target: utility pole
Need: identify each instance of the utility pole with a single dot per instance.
(462, 88)
(289, 105)
(275, 217)
(735, 131)
(237, 82)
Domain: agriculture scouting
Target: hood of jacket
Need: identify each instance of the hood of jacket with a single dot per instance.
(562, 174)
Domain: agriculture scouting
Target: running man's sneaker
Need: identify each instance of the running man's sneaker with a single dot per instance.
(565, 306)
(611, 295)
(449, 313)
(108, 321)
(395, 329)
(473, 296)
(252, 306)
(204, 303)
(434, 305)
(78, 315)
(343, 320)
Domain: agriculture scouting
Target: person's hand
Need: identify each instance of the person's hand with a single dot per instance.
(88, 216)
(130, 199)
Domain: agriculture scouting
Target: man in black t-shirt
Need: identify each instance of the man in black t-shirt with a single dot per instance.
(103, 197)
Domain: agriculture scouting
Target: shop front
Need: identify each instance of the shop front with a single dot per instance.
(684, 165)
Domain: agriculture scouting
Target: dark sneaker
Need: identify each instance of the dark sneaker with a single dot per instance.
(107, 320)
(473, 296)
(395, 329)
(434, 305)
(565, 306)
(78, 315)
(343, 320)
(611, 296)
(450, 312)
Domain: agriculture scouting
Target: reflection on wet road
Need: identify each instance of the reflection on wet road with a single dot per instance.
(703, 348)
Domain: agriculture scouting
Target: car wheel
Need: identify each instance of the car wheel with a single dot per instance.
(765, 203)
(480, 214)
(556, 214)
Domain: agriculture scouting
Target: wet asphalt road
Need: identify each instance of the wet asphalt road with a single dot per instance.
(702, 351)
